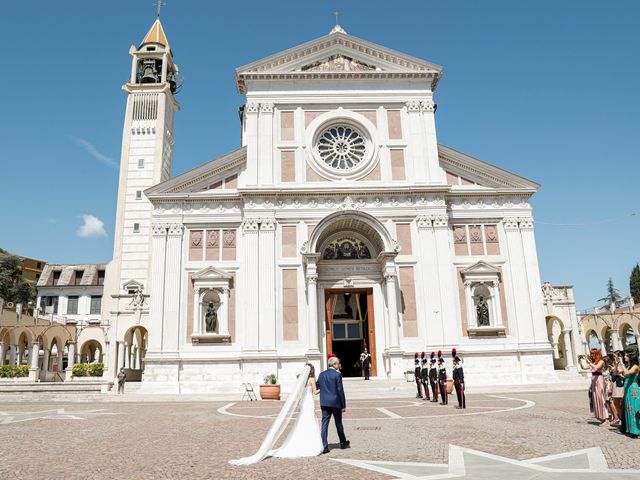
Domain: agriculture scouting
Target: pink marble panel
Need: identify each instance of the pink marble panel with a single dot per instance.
(403, 231)
(409, 313)
(397, 164)
(395, 124)
(289, 241)
(287, 126)
(288, 166)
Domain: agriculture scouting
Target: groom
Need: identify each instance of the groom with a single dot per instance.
(332, 401)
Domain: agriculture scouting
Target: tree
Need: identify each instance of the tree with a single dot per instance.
(634, 283)
(13, 286)
(613, 295)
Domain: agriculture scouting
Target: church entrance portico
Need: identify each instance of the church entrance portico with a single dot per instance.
(352, 289)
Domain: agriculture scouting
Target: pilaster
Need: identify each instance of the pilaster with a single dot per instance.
(267, 289)
(434, 173)
(533, 279)
(251, 283)
(156, 307)
(173, 277)
(265, 145)
(415, 141)
(251, 141)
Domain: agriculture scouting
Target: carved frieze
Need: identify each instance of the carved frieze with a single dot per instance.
(346, 248)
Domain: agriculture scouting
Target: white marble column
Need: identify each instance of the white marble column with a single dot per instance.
(71, 356)
(615, 340)
(519, 284)
(45, 361)
(250, 303)
(3, 352)
(392, 309)
(197, 312)
(265, 145)
(450, 323)
(121, 355)
(251, 141)
(156, 305)
(172, 282)
(267, 287)
(568, 348)
(60, 359)
(223, 318)
(312, 306)
(495, 292)
(415, 153)
(556, 350)
(428, 268)
(35, 354)
(472, 319)
(13, 354)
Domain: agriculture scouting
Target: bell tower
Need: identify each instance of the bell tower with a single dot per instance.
(147, 154)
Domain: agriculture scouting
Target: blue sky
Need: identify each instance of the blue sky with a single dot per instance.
(546, 89)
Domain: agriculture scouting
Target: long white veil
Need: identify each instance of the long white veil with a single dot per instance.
(280, 424)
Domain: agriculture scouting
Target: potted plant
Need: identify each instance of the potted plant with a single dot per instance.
(410, 376)
(270, 390)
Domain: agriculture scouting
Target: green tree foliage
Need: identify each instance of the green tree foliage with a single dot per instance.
(613, 295)
(13, 286)
(634, 283)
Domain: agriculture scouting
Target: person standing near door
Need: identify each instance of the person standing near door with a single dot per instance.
(365, 361)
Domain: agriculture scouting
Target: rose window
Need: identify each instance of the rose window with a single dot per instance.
(341, 147)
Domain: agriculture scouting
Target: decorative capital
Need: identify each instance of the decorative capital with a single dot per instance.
(413, 106)
(249, 225)
(526, 223)
(175, 229)
(268, 224)
(390, 277)
(252, 107)
(423, 221)
(312, 279)
(159, 229)
(440, 221)
(266, 107)
(510, 223)
(428, 106)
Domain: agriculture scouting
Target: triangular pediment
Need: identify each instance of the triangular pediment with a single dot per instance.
(203, 179)
(337, 53)
(465, 171)
(481, 267)
(211, 273)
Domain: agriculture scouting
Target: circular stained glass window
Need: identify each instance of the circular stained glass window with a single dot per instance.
(341, 147)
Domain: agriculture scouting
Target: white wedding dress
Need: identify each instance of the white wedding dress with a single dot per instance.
(304, 439)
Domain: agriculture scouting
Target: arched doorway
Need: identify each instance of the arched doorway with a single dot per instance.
(91, 352)
(350, 267)
(131, 354)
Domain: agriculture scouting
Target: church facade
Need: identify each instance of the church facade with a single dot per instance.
(340, 222)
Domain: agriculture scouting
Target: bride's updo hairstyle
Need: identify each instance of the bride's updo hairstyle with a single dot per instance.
(312, 370)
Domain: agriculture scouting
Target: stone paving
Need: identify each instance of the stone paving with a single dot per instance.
(195, 441)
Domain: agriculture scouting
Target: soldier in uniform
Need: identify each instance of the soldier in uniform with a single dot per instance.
(433, 377)
(424, 377)
(458, 380)
(365, 362)
(417, 376)
(442, 380)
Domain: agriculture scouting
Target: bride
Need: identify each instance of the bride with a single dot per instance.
(304, 439)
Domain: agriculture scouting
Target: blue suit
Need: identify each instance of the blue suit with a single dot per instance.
(332, 402)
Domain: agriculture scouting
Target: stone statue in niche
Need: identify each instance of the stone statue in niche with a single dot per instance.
(211, 319)
(482, 311)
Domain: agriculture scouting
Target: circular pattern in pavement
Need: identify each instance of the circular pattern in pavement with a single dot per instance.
(386, 409)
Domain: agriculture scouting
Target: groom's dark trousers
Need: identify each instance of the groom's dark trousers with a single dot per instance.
(337, 418)
(332, 401)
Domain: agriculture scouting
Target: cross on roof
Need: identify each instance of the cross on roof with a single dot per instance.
(337, 14)
(159, 4)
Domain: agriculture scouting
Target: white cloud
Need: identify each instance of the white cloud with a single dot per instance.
(92, 227)
(93, 151)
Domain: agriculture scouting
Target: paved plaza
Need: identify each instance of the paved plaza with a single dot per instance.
(529, 435)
